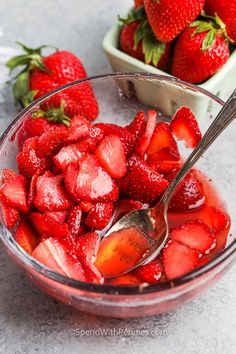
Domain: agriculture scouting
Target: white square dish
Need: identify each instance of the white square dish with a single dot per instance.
(221, 84)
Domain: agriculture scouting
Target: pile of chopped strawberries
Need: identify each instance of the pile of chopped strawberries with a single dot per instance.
(76, 180)
(190, 39)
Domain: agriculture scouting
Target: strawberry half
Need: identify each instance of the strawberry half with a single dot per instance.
(89, 181)
(145, 139)
(178, 259)
(143, 183)
(51, 194)
(162, 144)
(54, 255)
(185, 127)
(150, 273)
(45, 224)
(111, 155)
(26, 237)
(99, 216)
(189, 194)
(14, 193)
(196, 235)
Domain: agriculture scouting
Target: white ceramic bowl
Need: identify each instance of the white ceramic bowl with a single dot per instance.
(221, 84)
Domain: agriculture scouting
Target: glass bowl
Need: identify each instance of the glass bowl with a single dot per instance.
(119, 97)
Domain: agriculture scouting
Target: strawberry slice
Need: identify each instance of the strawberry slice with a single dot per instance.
(217, 219)
(32, 188)
(78, 129)
(30, 144)
(189, 195)
(28, 163)
(14, 193)
(138, 126)
(89, 181)
(178, 259)
(86, 206)
(150, 273)
(74, 221)
(99, 216)
(51, 194)
(45, 224)
(67, 155)
(125, 206)
(54, 255)
(185, 127)
(125, 279)
(111, 155)
(10, 215)
(162, 145)
(8, 175)
(85, 251)
(25, 237)
(128, 140)
(196, 235)
(144, 141)
(143, 183)
(58, 216)
(164, 167)
(49, 142)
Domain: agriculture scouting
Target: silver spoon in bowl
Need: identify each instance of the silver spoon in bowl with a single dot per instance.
(139, 236)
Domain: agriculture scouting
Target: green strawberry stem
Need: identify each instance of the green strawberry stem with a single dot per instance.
(212, 25)
(31, 59)
(53, 115)
(152, 48)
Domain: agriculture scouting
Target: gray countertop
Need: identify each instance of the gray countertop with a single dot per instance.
(32, 322)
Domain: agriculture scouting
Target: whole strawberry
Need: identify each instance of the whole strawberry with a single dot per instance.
(41, 75)
(201, 50)
(226, 10)
(138, 40)
(168, 18)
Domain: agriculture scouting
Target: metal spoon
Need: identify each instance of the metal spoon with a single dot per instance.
(139, 236)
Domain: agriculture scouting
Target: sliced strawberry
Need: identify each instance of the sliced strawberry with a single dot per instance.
(217, 219)
(185, 127)
(189, 195)
(86, 146)
(89, 181)
(150, 273)
(128, 140)
(10, 215)
(162, 145)
(144, 184)
(144, 141)
(30, 144)
(74, 221)
(58, 216)
(125, 206)
(54, 255)
(78, 129)
(138, 126)
(111, 155)
(8, 175)
(99, 216)
(25, 237)
(86, 206)
(50, 142)
(45, 224)
(28, 163)
(67, 155)
(178, 259)
(32, 188)
(196, 235)
(96, 134)
(51, 194)
(14, 193)
(85, 252)
(125, 279)
(164, 167)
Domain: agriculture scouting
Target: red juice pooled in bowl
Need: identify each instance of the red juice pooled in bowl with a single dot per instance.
(75, 181)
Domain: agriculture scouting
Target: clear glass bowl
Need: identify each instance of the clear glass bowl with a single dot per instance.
(119, 97)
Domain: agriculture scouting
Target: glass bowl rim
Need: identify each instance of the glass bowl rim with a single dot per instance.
(25, 258)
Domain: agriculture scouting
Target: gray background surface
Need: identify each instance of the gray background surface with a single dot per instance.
(30, 321)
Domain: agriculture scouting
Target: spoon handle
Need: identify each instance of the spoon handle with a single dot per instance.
(220, 123)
